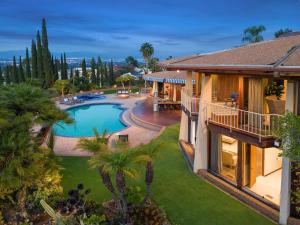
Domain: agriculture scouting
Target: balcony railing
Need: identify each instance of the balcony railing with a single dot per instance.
(262, 125)
(189, 102)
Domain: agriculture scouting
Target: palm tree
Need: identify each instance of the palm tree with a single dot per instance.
(148, 154)
(253, 34)
(119, 163)
(24, 164)
(147, 51)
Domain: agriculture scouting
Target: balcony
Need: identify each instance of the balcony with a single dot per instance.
(189, 103)
(255, 124)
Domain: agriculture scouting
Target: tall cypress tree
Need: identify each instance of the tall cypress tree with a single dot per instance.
(93, 74)
(77, 74)
(40, 58)
(83, 67)
(62, 70)
(71, 73)
(99, 71)
(46, 57)
(105, 73)
(56, 68)
(27, 65)
(21, 71)
(111, 73)
(7, 75)
(1, 77)
(34, 69)
(15, 77)
(65, 67)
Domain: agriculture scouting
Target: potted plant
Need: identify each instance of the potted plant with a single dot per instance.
(273, 93)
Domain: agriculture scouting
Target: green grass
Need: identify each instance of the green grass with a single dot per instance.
(187, 199)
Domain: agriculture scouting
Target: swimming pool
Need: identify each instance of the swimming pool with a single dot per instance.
(87, 117)
(91, 96)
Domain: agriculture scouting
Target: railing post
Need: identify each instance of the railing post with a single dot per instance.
(260, 123)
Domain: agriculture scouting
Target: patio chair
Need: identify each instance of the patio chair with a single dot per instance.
(76, 100)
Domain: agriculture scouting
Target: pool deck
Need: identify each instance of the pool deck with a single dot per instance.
(144, 111)
(64, 146)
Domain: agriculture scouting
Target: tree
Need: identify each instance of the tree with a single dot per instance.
(56, 68)
(120, 163)
(65, 67)
(147, 51)
(253, 34)
(34, 70)
(7, 75)
(99, 72)
(27, 65)
(93, 70)
(21, 71)
(61, 85)
(76, 74)
(131, 62)
(15, 75)
(1, 77)
(40, 70)
(111, 72)
(83, 68)
(105, 74)
(48, 76)
(71, 73)
(25, 165)
(126, 78)
(282, 31)
(153, 65)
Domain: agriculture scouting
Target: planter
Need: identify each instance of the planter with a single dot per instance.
(275, 106)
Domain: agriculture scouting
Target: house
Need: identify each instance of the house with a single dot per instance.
(228, 131)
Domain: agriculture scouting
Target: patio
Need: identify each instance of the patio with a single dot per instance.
(144, 111)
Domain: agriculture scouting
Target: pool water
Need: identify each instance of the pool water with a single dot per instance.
(87, 117)
(87, 97)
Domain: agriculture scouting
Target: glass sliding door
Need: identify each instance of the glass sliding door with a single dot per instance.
(228, 158)
(262, 172)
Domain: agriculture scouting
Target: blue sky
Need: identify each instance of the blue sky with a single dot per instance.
(116, 28)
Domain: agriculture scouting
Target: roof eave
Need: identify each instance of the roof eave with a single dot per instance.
(259, 68)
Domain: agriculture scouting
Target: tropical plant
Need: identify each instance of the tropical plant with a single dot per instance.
(274, 89)
(282, 31)
(25, 165)
(253, 34)
(288, 132)
(126, 78)
(121, 163)
(61, 86)
(147, 51)
(131, 62)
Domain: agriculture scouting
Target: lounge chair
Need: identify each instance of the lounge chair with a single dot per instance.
(76, 100)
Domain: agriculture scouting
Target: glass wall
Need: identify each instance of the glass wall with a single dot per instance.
(228, 157)
(224, 156)
(262, 172)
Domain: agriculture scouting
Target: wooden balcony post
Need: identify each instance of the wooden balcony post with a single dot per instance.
(198, 84)
(189, 83)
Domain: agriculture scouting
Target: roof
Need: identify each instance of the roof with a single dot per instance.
(175, 77)
(280, 53)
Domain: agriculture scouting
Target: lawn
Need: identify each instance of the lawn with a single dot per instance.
(186, 198)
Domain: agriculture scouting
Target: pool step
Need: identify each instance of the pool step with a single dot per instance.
(133, 119)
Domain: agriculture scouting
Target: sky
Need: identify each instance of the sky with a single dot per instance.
(117, 28)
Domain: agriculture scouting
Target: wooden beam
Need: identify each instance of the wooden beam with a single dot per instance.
(239, 174)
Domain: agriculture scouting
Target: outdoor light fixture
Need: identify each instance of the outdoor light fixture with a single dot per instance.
(178, 71)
